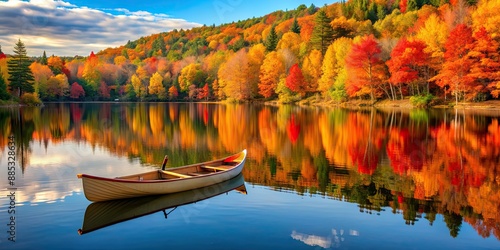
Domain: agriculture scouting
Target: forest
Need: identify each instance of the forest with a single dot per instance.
(422, 50)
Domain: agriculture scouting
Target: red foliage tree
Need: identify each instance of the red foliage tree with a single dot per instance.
(407, 62)
(76, 91)
(203, 93)
(402, 5)
(485, 63)
(366, 68)
(295, 80)
(104, 90)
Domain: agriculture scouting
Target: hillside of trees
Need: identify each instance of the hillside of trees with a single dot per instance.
(360, 49)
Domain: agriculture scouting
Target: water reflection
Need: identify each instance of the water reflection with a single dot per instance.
(411, 162)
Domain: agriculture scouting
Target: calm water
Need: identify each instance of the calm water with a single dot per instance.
(315, 178)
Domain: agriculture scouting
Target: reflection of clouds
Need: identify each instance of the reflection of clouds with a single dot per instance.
(312, 240)
(51, 174)
(324, 242)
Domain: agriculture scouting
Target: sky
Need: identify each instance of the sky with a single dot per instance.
(77, 27)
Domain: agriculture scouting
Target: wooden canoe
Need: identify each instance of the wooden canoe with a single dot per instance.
(168, 181)
(106, 213)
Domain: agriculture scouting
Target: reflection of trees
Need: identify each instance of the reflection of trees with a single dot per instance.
(416, 163)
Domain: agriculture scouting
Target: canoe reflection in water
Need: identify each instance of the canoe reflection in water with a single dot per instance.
(102, 214)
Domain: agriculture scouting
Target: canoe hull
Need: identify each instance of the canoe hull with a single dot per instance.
(102, 189)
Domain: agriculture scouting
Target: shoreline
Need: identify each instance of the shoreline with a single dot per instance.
(493, 105)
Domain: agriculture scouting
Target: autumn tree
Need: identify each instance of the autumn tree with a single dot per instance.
(485, 65)
(156, 86)
(103, 90)
(76, 91)
(407, 64)
(366, 66)
(192, 74)
(172, 92)
(41, 74)
(233, 77)
(295, 80)
(434, 33)
(454, 77)
(322, 35)
(57, 87)
(91, 73)
(334, 74)
(204, 92)
(4, 95)
(55, 64)
(139, 88)
(270, 71)
(255, 55)
(21, 77)
(311, 68)
(290, 41)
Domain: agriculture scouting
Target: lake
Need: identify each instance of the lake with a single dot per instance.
(315, 178)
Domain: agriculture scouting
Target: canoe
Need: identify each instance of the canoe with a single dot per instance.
(168, 181)
(106, 213)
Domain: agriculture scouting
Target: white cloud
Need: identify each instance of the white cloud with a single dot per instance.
(61, 28)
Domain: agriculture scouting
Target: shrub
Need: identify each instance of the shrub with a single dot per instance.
(421, 100)
(30, 99)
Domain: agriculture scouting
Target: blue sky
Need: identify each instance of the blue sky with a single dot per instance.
(76, 27)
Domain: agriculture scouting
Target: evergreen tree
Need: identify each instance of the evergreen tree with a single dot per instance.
(272, 39)
(322, 35)
(21, 77)
(412, 5)
(4, 95)
(312, 9)
(44, 58)
(295, 26)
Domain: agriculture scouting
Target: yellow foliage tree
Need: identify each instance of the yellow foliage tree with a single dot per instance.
(270, 71)
(292, 41)
(311, 68)
(156, 86)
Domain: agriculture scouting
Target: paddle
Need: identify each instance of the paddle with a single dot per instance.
(164, 162)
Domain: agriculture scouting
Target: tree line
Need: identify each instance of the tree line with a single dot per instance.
(349, 50)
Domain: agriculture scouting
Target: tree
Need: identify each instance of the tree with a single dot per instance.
(91, 73)
(192, 74)
(271, 39)
(270, 71)
(295, 28)
(55, 64)
(454, 77)
(407, 63)
(366, 66)
(295, 80)
(485, 64)
(103, 90)
(234, 78)
(76, 91)
(204, 92)
(156, 86)
(4, 95)
(290, 41)
(21, 79)
(322, 35)
(43, 60)
(172, 92)
(311, 67)
(334, 66)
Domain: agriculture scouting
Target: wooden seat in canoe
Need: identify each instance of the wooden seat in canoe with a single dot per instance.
(176, 174)
(216, 168)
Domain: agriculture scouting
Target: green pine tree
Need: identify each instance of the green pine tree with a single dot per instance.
(271, 40)
(4, 95)
(21, 78)
(322, 35)
(44, 58)
(295, 26)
